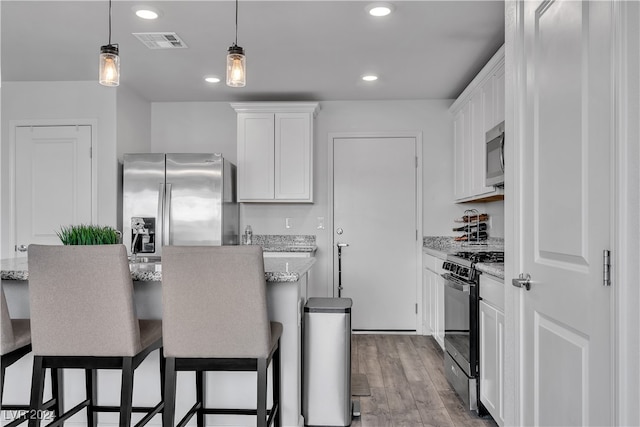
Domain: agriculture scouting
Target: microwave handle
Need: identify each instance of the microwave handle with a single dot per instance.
(502, 152)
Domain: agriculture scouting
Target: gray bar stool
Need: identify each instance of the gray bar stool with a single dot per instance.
(83, 316)
(215, 319)
(16, 343)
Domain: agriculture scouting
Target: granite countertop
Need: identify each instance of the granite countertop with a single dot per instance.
(440, 246)
(492, 268)
(446, 244)
(284, 243)
(276, 269)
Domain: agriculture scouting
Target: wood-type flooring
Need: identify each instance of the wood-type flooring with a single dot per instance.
(407, 382)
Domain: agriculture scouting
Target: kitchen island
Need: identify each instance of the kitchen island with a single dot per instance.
(286, 295)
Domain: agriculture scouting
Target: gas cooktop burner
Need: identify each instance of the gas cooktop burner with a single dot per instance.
(484, 256)
(461, 264)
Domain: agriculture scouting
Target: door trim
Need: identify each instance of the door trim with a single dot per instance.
(625, 213)
(417, 135)
(13, 124)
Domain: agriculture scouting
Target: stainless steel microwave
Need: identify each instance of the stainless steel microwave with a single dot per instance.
(494, 171)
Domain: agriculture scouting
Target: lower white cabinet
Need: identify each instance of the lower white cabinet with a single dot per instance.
(433, 291)
(492, 347)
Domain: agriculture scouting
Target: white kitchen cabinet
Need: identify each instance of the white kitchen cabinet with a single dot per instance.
(493, 97)
(492, 347)
(275, 151)
(479, 108)
(461, 140)
(433, 292)
(499, 93)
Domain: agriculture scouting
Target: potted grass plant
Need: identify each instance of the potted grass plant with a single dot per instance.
(88, 235)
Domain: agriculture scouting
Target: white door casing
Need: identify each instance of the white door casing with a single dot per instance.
(53, 181)
(562, 136)
(374, 203)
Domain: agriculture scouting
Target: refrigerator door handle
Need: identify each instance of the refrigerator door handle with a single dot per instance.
(166, 223)
(160, 220)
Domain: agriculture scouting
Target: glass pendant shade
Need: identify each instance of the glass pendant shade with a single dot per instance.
(109, 65)
(236, 67)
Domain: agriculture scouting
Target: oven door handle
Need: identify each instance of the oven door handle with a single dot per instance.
(457, 284)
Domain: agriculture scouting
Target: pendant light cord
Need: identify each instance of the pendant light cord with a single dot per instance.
(236, 43)
(110, 22)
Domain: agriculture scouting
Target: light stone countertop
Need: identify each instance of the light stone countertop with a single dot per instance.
(276, 269)
(440, 246)
(285, 243)
(492, 268)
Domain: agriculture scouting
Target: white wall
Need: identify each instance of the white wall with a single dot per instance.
(124, 125)
(63, 101)
(133, 133)
(194, 127)
(133, 115)
(211, 127)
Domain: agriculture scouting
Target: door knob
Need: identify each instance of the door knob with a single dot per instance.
(522, 281)
(342, 245)
(22, 248)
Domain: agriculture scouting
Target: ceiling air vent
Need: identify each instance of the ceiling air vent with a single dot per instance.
(161, 40)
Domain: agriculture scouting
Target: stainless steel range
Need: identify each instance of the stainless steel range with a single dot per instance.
(461, 323)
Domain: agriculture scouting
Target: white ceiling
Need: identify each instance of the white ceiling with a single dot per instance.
(296, 50)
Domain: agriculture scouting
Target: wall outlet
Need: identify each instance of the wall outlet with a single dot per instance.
(320, 223)
(287, 223)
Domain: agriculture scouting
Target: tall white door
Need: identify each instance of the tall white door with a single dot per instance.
(565, 198)
(53, 182)
(375, 214)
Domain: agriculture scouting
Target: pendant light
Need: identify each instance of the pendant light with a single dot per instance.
(236, 65)
(109, 61)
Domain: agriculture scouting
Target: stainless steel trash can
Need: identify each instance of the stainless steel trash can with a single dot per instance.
(326, 394)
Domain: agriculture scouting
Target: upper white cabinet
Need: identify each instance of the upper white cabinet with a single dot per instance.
(275, 151)
(479, 108)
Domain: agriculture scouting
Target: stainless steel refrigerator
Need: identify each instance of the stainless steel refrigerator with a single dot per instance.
(178, 199)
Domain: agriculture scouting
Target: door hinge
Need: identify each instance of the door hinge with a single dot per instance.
(416, 235)
(416, 162)
(606, 267)
(91, 152)
(416, 308)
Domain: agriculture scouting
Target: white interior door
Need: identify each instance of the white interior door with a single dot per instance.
(52, 182)
(565, 198)
(374, 212)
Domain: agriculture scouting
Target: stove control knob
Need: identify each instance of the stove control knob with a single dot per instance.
(463, 271)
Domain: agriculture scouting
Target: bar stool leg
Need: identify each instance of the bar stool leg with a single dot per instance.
(126, 392)
(91, 385)
(162, 371)
(169, 392)
(275, 366)
(57, 390)
(37, 390)
(201, 384)
(262, 393)
(2, 382)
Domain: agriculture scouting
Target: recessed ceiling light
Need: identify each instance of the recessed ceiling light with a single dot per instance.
(369, 78)
(379, 9)
(146, 12)
(212, 79)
